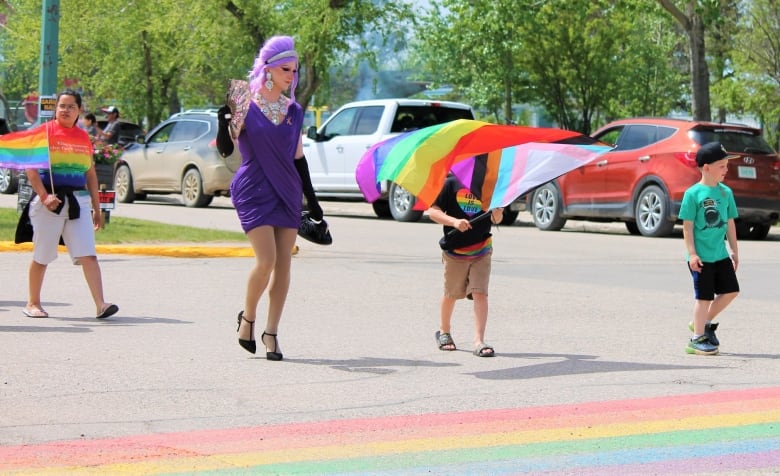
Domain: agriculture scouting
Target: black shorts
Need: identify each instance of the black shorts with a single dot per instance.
(714, 278)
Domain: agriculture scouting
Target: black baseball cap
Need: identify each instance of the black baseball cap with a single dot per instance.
(712, 152)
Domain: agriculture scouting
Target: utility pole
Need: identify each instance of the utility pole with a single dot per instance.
(50, 32)
(47, 80)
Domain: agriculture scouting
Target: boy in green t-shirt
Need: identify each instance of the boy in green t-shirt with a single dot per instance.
(708, 211)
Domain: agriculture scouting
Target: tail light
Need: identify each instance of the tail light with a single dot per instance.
(687, 158)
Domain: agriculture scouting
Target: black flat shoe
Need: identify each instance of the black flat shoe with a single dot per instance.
(248, 345)
(268, 354)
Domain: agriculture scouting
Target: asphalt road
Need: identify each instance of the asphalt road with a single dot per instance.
(588, 314)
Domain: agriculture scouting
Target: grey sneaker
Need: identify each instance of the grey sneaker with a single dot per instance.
(701, 346)
(709, 331)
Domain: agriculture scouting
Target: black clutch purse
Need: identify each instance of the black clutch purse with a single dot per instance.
(313, 231)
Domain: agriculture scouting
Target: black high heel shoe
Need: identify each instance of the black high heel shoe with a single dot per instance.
(271, 355)
(248, 345)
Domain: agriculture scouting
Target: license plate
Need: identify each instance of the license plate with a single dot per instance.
(746, 172)
(107, 199)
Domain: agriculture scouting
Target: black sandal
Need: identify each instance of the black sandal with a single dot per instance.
(248, 345)
(444, 339)
(484, 350)
(271, 355)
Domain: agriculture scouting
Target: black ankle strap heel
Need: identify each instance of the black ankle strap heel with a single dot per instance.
(248, 345)
(268, 354)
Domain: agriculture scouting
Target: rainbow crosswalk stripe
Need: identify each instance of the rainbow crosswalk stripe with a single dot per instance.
(25, 149)
(719, 432)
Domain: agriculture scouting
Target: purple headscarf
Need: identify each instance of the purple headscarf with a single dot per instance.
(276, 50)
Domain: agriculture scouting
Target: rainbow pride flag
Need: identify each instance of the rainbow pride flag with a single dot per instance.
(25, 149)
(514, 160)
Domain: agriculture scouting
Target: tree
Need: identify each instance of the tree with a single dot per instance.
(720, 38)
(582, 61)
(572, 58)
(590, 61)
(19, 68)
(757, 58)
(475, 45)
(323, 30)
(693, 21)
(154, 57)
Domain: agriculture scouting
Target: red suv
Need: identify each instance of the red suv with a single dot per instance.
(642, 180)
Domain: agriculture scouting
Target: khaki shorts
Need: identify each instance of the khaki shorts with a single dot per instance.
(465, 276)
(78, 235)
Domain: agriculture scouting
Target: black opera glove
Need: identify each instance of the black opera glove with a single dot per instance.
(302, 166)
(224, 141)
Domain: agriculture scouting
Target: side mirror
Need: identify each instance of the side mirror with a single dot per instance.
(311, 133)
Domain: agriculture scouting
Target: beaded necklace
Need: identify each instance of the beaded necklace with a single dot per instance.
(274, 110)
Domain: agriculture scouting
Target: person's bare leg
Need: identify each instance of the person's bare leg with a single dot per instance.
(447, 308)
(35, 284)
(94, 277)
(718, 304)
(700, 309)
(262, 241)
(445, 319)
(480, 318)
(280, 283)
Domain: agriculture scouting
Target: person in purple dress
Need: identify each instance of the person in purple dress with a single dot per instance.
(268, 186)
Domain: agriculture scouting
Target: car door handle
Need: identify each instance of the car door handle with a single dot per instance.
(340, 149)
(644, 158)
(188, 147)
(602, 163)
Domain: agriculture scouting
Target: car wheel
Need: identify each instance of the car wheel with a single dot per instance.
(546, 208)
(402, 204)
(509, 217)
(8, 181)
(192, 190)
(652, 212)
(752, 231)
(632, 228)
(123, 185)
(382, 208)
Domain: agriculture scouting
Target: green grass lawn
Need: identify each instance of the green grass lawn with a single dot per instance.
(127, 230)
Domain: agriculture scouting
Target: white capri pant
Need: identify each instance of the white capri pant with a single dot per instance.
(78, 235)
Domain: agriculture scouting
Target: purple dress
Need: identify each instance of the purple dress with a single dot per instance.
(266, 189)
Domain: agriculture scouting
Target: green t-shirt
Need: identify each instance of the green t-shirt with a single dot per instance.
(709, 208)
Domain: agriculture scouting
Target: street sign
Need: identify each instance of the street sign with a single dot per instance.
(48, 105)
(107, 199)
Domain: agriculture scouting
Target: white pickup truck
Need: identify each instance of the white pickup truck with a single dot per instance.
(334, 150)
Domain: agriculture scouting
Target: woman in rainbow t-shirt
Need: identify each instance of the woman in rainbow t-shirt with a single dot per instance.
(66, 205)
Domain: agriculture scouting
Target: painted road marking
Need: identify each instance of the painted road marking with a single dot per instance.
(726, 431)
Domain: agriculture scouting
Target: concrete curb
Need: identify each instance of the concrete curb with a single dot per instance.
(171, 250)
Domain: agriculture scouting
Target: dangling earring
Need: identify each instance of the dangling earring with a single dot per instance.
(269, 84)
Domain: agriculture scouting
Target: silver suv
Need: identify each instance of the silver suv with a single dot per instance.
(178, 156)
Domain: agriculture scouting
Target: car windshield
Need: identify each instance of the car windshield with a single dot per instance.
(734, 140)
(408, 118)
